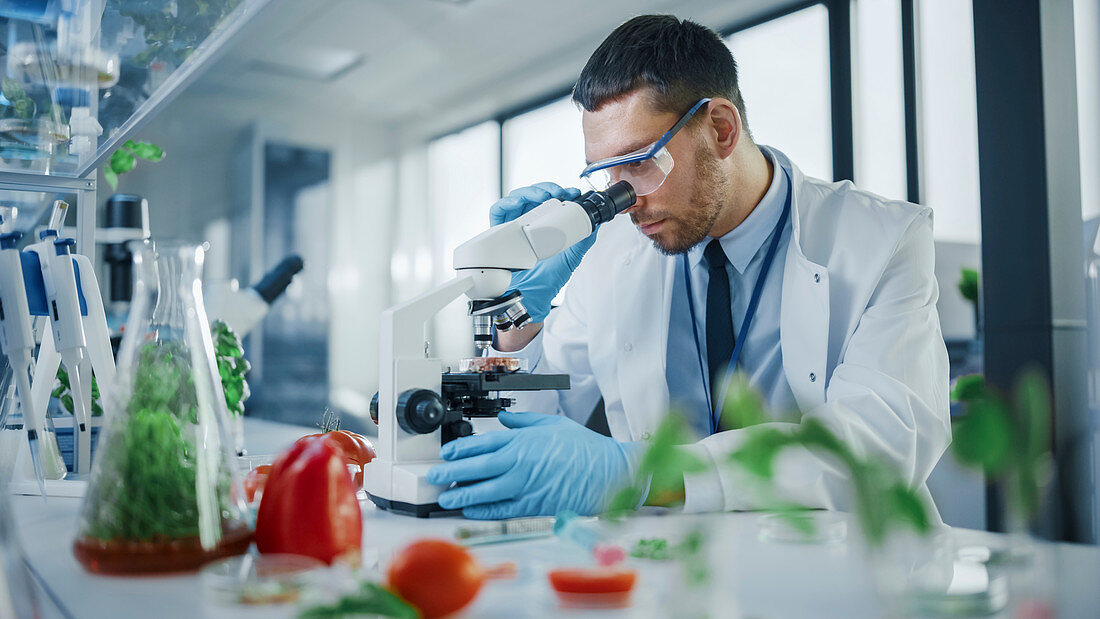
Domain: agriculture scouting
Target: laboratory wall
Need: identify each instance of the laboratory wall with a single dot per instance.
(194, 193)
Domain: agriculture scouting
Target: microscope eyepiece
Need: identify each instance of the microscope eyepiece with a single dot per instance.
(601, 206)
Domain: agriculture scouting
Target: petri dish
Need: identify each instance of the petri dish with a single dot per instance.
(492, 364)
(258, 580)
(818, 527)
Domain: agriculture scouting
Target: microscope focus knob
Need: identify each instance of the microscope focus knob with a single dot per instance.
(374, 408)
(419, 411)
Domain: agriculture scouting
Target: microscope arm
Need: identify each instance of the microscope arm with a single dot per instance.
(518, 244)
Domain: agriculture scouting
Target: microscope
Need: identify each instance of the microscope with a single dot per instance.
(419, 407)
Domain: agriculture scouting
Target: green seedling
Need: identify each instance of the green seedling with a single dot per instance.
(969, 283)
(662, 467)
(232, 367)
(125, 158)
(63, 392)
(1007, 439)
(883, 500)
(372, 600)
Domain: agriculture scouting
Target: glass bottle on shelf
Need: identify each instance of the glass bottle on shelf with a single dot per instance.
(165, 494)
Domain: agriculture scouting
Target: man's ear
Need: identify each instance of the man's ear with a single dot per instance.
(724, 126)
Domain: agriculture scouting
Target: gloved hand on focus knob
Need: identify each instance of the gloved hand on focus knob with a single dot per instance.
(540, 466)
(541, 283)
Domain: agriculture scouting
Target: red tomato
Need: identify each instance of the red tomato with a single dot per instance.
(609, 586)
(436, 576)
(309, 506)
(255, 481)
(355, 447)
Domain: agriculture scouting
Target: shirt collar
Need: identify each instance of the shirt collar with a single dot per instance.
(745, 241)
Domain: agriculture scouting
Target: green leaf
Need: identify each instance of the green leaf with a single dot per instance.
(983, 436)
(757, 454)
(623, 502)
(111, 178)
(969, 388)
(372, 599)
(1032, 399)
(969, 284)
(13, 90)
(122, 161)
(67, 402)
(906, 506)
(147, 151)
(743, 406)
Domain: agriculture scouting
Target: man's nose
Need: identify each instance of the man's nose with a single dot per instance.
(639, 204)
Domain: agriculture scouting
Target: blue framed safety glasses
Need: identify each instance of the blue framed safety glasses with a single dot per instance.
(645, 169)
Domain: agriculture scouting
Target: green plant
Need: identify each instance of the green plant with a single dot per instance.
(662, 466)
(147, 483)
(63, 392)
(125, 158)
(232, 367)
(19, 104)
(1007, 439)
(372, 599)
(173, 30)
(969, 283)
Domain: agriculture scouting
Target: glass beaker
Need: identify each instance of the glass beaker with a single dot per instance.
(165, 494)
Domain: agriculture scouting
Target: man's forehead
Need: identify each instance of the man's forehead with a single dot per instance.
(621, 126)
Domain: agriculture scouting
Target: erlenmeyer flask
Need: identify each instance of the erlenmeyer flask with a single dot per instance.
(164, 494)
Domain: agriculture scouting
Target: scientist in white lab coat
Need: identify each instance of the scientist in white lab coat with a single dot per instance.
(822, 294)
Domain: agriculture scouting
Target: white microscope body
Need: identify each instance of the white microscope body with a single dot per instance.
(409, 433)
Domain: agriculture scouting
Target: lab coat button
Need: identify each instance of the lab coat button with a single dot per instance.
(626, 261)
(628, 347)
(645, 436)
(813, 377)
(817, 278)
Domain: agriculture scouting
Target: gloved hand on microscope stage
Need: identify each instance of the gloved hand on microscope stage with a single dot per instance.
(541, 465)
(541, 283)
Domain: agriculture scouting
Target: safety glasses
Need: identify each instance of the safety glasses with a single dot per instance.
(645, 169)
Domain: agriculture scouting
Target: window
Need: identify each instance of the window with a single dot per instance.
(783, 71)
(948, 118)
(545, 144)
(878, 100)
(463, 180)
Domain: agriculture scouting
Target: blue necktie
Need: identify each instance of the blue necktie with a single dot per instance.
(720, 337)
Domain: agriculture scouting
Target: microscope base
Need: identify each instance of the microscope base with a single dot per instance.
(408, 509)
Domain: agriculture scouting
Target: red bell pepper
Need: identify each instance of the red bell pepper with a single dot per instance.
(309, 506)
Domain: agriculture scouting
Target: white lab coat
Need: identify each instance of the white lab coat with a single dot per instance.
(861, 341)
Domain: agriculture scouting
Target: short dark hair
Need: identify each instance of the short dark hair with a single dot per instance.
(679, 60)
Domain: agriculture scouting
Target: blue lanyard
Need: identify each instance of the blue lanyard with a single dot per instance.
(777, 233)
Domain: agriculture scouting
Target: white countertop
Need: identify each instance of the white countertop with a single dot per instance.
(753, 577)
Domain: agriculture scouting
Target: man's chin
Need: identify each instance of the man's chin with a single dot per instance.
(670, 244)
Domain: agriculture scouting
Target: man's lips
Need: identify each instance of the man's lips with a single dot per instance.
(651, 227)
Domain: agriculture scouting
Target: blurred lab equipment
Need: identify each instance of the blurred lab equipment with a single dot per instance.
(125, 219)
(415, 406)
(243, 309)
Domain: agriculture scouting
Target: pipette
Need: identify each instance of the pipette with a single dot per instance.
(63, 302)
(17, 339)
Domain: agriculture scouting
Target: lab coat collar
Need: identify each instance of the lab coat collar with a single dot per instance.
(746, 240)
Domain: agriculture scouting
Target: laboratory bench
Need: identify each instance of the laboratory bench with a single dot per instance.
(751, 576)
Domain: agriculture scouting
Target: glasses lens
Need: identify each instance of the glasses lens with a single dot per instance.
(645, 176)
(599, 180)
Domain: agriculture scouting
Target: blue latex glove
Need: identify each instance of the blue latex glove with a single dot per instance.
(541, 283)
(543, 465)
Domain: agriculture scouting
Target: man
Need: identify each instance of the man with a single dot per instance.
(822, 294)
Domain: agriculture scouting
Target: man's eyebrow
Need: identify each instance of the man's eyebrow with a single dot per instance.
(633, 147)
